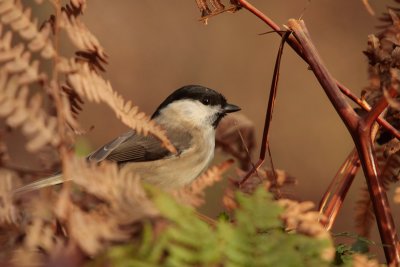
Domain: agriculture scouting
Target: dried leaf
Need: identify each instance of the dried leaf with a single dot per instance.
(27, 113)
(299, 217)
(120, 188)
(81, 37)
(122, 202)
(20, 21)
(275, 183)
(8, 211)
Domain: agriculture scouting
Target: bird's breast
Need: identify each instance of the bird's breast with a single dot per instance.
(180, 169)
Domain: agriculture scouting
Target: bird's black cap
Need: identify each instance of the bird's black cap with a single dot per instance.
(197, 92)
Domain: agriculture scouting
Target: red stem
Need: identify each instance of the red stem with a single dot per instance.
(298, 49)
(360, 130)
(347, 172)
(268, 116)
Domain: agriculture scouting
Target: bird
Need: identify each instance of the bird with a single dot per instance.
(189, 116)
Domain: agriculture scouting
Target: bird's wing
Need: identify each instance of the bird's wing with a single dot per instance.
(130, 147)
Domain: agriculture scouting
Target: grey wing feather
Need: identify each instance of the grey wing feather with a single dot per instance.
(130, 147)
(46, 182)
(102, 153)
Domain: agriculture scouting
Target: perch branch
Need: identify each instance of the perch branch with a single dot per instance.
(298, 49)
(360, 130)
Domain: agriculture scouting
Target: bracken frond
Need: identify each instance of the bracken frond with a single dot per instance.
(39, 236)
(91, 86)
(300, 218)
(81, 37)
(27, 113)
(8, 212)
(93, 230)
(16, 60)
(276, 182)
(12, 13)
(119, 187)
(122, 202)
(81, 4)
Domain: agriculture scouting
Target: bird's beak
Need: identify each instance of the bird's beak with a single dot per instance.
(229, 108)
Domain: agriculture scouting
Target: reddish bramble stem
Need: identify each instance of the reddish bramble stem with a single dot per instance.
(360, 130)
(298, 49)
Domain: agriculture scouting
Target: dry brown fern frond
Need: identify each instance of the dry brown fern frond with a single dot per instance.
(120, 200)
(386, 18)
(118, 187)
(8, 211)
(91, 86)
(74, 8)
(300, 218)
(75, 101)
(92, 230)
(274, 182)
(383, 53)
(39, 241)
(16, 60)
(27, 113)
(12, 13)
(81, 37)
(4, 156)
(81, 4)
(193, 194)
(214, 7)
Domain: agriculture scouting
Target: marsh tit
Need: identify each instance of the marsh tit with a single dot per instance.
(189, 116)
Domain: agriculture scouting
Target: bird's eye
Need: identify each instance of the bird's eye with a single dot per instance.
(205, 101)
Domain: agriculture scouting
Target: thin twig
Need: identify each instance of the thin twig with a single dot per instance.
(270, 109)
(346, 174)
(271, 162)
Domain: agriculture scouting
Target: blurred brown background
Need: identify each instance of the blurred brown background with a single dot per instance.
(155, 47)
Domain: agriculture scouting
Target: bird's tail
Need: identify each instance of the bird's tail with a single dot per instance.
(42, 183)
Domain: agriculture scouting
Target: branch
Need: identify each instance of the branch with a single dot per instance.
(298, 49)
(360, 130)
